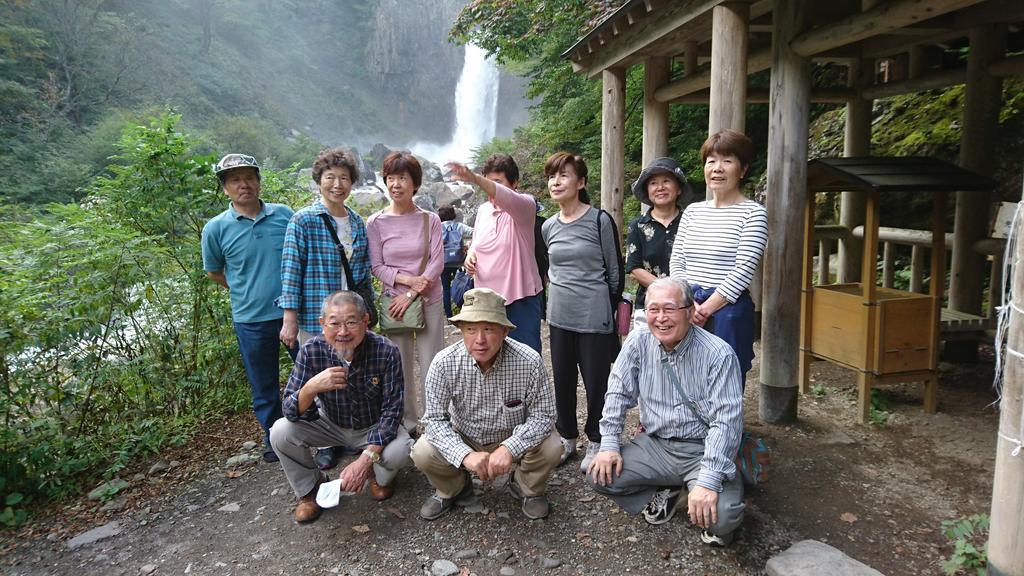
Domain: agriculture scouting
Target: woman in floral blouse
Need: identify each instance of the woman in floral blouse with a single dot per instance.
(663, 187)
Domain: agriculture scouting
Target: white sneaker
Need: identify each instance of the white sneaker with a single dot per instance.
(715, 540)
(568, 450)
(592, 449)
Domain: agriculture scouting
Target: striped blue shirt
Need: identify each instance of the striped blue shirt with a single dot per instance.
(709, 373)
(375, 394)
(311, 267)
(720, 247)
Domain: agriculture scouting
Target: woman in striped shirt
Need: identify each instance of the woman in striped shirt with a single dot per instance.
(719, 245)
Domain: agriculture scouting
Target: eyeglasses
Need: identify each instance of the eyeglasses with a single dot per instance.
(348, 324)
(667, 309)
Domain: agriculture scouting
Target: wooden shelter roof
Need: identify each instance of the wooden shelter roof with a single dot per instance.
(889, 175)
(840, 32)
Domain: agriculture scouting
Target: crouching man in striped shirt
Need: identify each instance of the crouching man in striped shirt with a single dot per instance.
(490, 411)
(689, 382)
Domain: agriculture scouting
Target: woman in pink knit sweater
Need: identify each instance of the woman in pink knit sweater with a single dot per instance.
(396, 235)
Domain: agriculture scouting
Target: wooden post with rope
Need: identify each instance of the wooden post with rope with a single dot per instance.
(1005, 545)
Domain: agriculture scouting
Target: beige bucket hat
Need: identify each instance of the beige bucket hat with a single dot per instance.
(482, 305)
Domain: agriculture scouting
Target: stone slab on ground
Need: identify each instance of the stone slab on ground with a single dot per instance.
(95, 535)
(813, 558)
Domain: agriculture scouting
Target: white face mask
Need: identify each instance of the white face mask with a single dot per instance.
(329, 494)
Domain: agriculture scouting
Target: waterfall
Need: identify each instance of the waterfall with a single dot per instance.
(476, 104)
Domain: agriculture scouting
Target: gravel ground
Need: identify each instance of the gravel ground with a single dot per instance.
(878, 493)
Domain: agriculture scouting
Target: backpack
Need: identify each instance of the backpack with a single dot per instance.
(454, 255)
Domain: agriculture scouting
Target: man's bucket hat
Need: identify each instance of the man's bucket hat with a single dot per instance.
(658, 166)
(232, 161)
(483, 305)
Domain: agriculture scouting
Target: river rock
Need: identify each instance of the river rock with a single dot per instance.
(810, 557)
(443, 568)
(115, 504)
(230, 507)
(549, 563)
(108, 489)
(95, 535)
(250, 445)
(425, 202)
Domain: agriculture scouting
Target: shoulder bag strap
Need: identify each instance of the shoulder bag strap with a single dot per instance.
(667, 366)
(426, 242)
(329, 222)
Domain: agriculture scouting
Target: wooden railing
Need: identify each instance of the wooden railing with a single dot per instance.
(919, 241)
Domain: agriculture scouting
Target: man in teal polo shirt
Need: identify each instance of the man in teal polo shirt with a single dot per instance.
(242, 252)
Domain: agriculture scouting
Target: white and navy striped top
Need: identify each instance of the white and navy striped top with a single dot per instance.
(708, 371)
(720, 247)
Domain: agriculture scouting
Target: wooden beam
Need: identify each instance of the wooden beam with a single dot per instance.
(756, 62)
(655, 143)
(1004, 67)
(613, 141)
(788, 116)
(883, 18)
(763, 96)
(929, 81)
(956, 26)
(729, 37)
(977, 152)
(1005, 553)
(646, 31)
(856, 142)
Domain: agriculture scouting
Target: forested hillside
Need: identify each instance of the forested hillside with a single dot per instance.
(275, 78)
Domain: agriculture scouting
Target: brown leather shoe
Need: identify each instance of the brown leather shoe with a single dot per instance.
(379, 492)
(307, 509)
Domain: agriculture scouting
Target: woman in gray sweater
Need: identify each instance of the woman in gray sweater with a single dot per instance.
(585, 269)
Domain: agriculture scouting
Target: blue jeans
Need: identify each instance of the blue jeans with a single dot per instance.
(525, 314)
(733, 323)
(259, 344)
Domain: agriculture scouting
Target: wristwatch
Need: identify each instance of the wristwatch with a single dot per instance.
(373, 456)
(410, 294)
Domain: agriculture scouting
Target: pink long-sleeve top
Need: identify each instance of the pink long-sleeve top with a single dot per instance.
(396, 247)
(503, 242)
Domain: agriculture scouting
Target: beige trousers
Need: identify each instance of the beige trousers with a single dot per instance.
(426, 344)
(533, 470)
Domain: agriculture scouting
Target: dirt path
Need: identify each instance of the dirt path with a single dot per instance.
(893, 484)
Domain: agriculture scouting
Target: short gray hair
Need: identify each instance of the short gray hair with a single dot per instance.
(668, 282)
(340, 298)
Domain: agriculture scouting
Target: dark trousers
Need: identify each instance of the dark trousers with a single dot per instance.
(733, 323)
(446, 289)
(593, 354)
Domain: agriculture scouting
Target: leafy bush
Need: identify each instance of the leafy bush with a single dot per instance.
(970, 551)
(113, 340)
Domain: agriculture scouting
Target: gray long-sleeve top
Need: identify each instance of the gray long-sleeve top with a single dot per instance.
(578, 293)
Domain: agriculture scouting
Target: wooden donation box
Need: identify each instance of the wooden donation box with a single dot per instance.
(883, 334)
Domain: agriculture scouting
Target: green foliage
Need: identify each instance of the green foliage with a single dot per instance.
(106, 311)
(970, 549)
(818, 390)
(878, 411)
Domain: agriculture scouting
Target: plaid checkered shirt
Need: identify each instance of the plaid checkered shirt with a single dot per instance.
(311, 266)
(512, 403)
(373, 397)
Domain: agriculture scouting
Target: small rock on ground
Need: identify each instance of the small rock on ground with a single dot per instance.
(250, 445)
(158, 467)
(549, 563)
(148, 569)
(466, 554)
(95, 535)
(230, 507)
(507, 571)
(443, 568)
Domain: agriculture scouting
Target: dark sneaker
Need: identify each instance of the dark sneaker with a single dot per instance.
(436, 506)
(662, 506)
(534, 507)
(269, 455)
(718, 541)
(325, 459)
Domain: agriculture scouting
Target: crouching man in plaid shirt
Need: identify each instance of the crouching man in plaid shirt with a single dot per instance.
(490, 409)
(346, 390)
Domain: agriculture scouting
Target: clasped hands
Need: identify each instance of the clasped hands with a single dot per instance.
(401, 303)
(489, 465)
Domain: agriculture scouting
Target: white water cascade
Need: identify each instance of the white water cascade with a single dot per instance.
(476, 105)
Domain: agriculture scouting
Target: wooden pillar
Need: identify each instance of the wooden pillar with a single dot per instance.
(787, 194)
(1005, 546)
(729, 36)
(655, 143)
(690, 57)
(613, 141)
(982, 97)
(856, 142)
